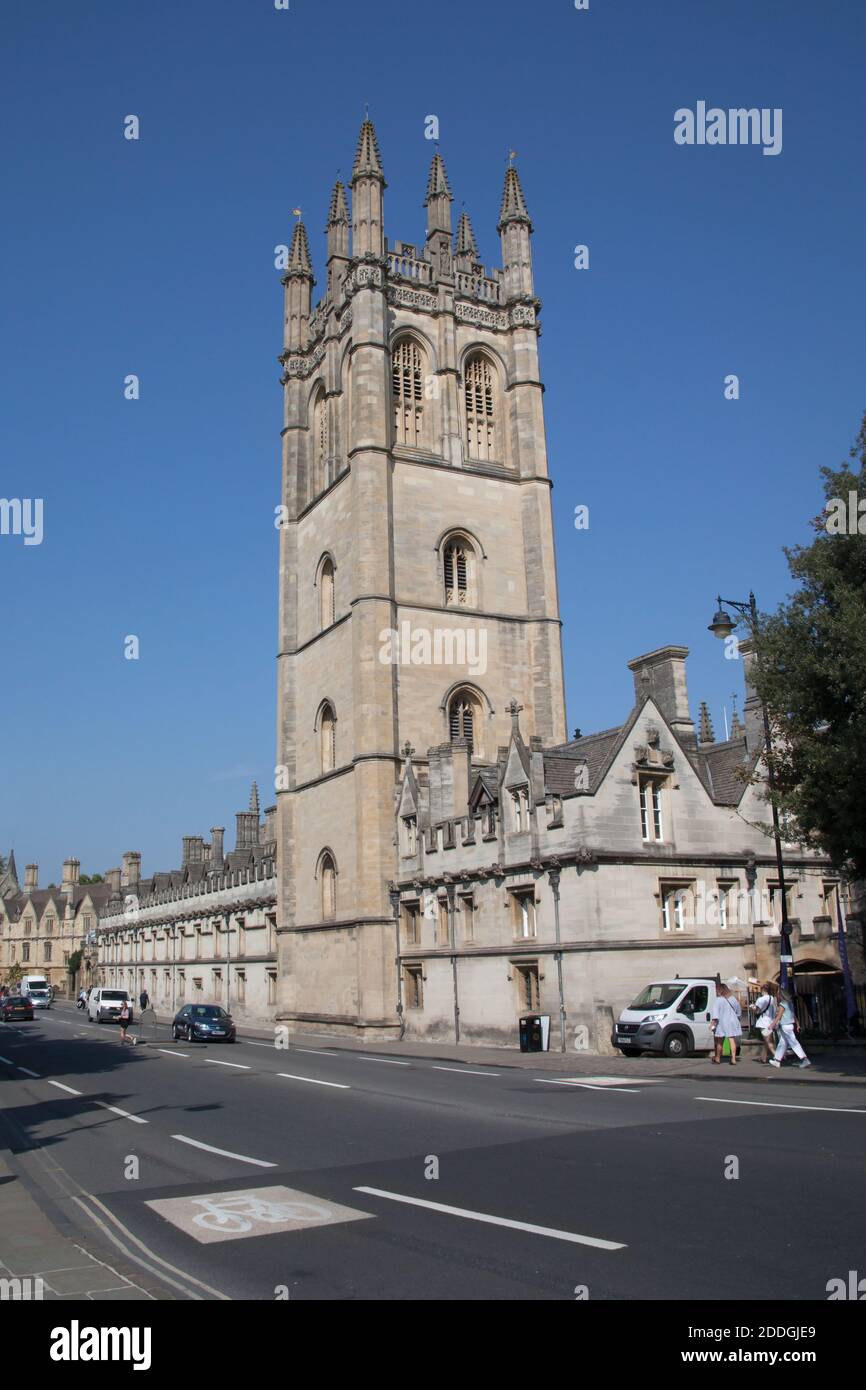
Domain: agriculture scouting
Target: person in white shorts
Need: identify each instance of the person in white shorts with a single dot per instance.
(766, 1007)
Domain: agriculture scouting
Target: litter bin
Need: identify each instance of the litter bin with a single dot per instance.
(535, 1033)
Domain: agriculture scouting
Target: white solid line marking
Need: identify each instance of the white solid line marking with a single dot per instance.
(313, 1081)
(116, 1110)
(248, 1042)
(495, 1220)
(223, 1153)
(388, 1061)
(27, 1071)
(779, 1105)
(464, 1071)
(584, 1086)
(60, 1086)
(128, 1238)
(316, 1052)
(170, 1052)
(215, 1062)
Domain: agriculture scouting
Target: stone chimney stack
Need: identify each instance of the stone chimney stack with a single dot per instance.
(193, 849)
(113, 879)
(662, 674)
(131, 873)
(71, 875)
(31, 877)
(217, 851)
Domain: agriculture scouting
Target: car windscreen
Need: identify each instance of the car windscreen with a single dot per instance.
(120, 994)
(210, 1011)
(657, 996)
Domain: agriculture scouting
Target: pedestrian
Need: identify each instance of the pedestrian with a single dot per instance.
(726, 1023)
(125, 1015)
(785, 1022)
(144, 1000)
(766, 1006)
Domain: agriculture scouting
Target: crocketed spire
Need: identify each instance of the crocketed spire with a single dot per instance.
(254, 798)
(466, 243)
(338, 212)
(705, 725)
(437, 184)
(299, 255)
(368, 161)
(513, 202)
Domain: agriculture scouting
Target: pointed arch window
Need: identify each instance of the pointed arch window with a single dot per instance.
(327, 612)
(320, 443)
(328, 878)
(458, 562)
(464, 720)
(328, 737)
(407, 388)
(480, 402)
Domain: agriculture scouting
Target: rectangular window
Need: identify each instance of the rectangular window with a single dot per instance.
(443, 934)
(410, 835)
(242, 936)
(28, 925)
(25, 952)
(519, 809)
(413, 986)
(272, 986)
(218, 985)
(181, 984)
(830, 901)
(197, 984)
(528, 990)
(467, 916)
(65, 957)
(47, 950)
(272, 936)
(241, 986)
(652, 821)
(523, 908)
(727, 900)
(87, 920)
(776, 902)
(49, 925)
(677, 903)
(411, 923)
(166, 983)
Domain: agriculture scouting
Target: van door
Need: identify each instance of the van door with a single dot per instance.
(696, 1008)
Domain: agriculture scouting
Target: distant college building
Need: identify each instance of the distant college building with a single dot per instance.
(41, 929)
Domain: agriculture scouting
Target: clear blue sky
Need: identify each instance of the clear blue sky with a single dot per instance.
(156, 258)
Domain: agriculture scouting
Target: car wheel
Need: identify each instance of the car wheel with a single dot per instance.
(173, 1033)
(630, 1051)
(676, 1045)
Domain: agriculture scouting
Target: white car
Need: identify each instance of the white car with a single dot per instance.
(106, 1004)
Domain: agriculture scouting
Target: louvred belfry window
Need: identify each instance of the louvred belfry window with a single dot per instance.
(457, 574)
(463, 720)
(408, 392)
(480, 409)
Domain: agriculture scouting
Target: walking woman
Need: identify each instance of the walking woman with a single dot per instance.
(125, 1015)
(766, 1007)
(726, 1023)
(786, 1023)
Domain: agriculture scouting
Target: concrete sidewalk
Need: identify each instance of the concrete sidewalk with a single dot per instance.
(37, 1261)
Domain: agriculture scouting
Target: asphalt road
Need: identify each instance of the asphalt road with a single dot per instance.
(433, 1180)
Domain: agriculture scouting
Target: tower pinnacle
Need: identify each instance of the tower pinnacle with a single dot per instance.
(368, 161)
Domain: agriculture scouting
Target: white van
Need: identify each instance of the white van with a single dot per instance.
(35, 988)
(106, 1004)
(669, 1016)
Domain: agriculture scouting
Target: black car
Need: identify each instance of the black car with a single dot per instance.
(14, 1006)
(203, 1023)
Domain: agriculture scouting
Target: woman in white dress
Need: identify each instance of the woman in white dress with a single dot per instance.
(765, 1014)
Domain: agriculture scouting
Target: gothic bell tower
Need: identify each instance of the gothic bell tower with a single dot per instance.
(417, 571)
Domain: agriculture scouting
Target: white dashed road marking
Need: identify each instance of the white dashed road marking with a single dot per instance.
(464, 1071)
(388, 1061)
(215, 1062)
(548, 1231)
(338, 1085)
(116, 1110)
(779, 1105)
(60, 1086)
(223, 1153)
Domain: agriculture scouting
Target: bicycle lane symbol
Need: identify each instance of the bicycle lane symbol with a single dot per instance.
(215, 1216)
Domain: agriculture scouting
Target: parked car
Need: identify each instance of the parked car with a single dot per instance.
(203, 1023)
(668, 1016)
(105, 1004)
(15, 1006)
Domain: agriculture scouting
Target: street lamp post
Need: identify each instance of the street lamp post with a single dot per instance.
(722, 627)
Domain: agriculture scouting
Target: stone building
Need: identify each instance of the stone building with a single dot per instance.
(205, 932)
(438, 873)
(417, 574)
(42, 928)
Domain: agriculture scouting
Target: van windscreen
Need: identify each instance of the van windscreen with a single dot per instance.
(658, 996)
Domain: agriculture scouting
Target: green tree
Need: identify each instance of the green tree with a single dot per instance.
(811, 672)
(14, 973)
(91, 878)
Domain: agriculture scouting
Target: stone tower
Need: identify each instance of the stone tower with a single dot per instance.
(417, 572)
